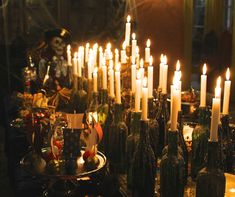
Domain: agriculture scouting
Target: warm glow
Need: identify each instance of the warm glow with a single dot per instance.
(133, 60)
(178, 65)
(162, 58)
(165, 60)
(116, 51)
(204, 69)
(87, 45)
(75, 55)
(227, 74)
(68, 47)
(141, 63)
(138, 74)
(111, 64)
(148, 43)
(108, 46)
(95, 70)
(217, 89)
(117, 67)
(145, 82)
(95, 46)
(151, 60)
(137, 50)
(218, 82)
(128, 18)
(133, 36)
(100, 49)
(124, 45)
(232, 190)
(110, 55)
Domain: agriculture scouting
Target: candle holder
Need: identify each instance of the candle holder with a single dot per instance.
(117, 141)
(200, 138)
(132, 141)
(144, 164)
(162, 118)
(172, 169)
(226, 144)
(211, 180)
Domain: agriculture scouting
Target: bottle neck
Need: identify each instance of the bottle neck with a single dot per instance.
(204, 116)
(225, 125)
(118, 112)
(172, 143)
(135, 122)
(213, 155)
(144, 132)
(94, 102)
(104, 97)
(80, 83)
(151, 108)
(163, 108)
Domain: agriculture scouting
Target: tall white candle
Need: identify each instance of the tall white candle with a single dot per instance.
(147, 51)
(150, 78)
(75, 63)
(104, 77)
(137, 57)
(144, 114)
(116, 57)
(137, 91)
(123, 53)
(133, 77)
(164, 77)
(95, 50)
(90, 64)
(87, 52)
(111, 80)
(161, 70)
(69, 55)
(175, 105)
(203, 87)
(117, 84)
(101, 56)
(133, 46)
(128, 31)
(227, 86)
(95, 79)
(215, 116)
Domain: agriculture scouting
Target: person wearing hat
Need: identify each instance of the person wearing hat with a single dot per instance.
(53, 71)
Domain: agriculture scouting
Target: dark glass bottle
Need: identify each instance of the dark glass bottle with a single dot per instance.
(162, 118)
(78, 100)
(172, 169)
(211, 180)
(117, 141)
(226, 145)
(93, 107)
(200, 137)
(132, 141)
(144, 165)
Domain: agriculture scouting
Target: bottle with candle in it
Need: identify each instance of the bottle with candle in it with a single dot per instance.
(211, 180)
(117, 141)
(132, 141)
(144, 165)
(200, 137)
(172, 169)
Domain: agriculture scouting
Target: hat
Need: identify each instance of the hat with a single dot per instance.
(61, 32)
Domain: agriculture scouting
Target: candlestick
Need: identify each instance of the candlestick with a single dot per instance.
(123, 53)
(203, 87)
(147, 51)
(133, 77)
(215, 116)
(137, 91)
(227, 86)
(164, 76)
(128, 31)
(133, 46)
(104, 77)
(150, 78)
(144, 115)
(111, 80)
(117, 84)
(95, 79)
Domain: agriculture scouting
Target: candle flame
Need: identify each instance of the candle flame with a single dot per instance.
(95, 46)
(218, 82)
(108, 46)
(95, 70)
(138, 74)
(165, 60)
(204, 69)
(128, 18)
(68, 47)
(151, 60)
(133, 36)
(117, 67)
(177, 65)
(227, 74)
(162, 58)
(87, 45)
(141, 63)
(100, 49)
(116, 51)
(145, 82)
(124, 45)
(148, 43)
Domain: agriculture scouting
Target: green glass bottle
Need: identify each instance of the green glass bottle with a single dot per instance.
(200, 137)
(132, 141)
(117, 141)
(144, 165)
(211, 180)
(172, 169)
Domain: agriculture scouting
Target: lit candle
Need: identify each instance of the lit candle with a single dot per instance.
(161, 70)
(137, 57)
(147, 51)
(87, 52)
(116, 57)
(215, 116)
(133, 46)
(227, 86)
(133, 76)
(90, 64)
(175, 105)
(203, 87)
(164, 76)
(108, 51)
(95, 48)
(69, 55)
(144, 114)
(137, 91)
(95, 79)
(101, 56)
(150, 78)
(104, 77)
(117, 84)
(128, 30)
(123, 53)
(111, 80)
(75, 63)
(178, 77)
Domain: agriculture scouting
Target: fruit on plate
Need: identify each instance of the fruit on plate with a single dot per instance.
(91, 162)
